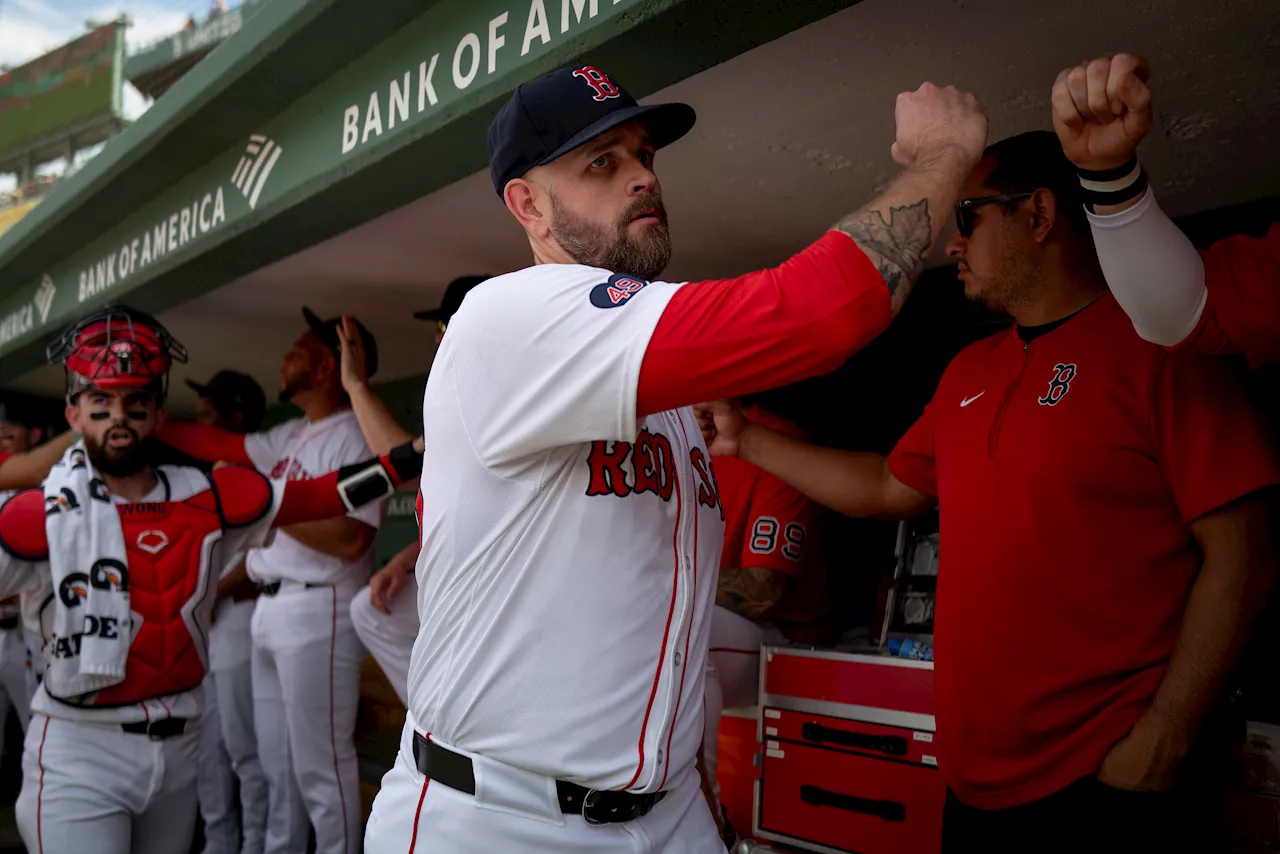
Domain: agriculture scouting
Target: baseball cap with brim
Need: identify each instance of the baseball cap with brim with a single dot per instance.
(454, 294)
(548, 117)
(327, 332)
(232, 391)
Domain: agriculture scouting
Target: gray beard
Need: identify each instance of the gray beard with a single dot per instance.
(593, 246)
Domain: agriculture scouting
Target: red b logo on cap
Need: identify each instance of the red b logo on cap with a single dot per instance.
(599, 81)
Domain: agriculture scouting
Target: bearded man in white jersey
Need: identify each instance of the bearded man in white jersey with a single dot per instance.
(306, 655)
(126, 555)
(572, 527)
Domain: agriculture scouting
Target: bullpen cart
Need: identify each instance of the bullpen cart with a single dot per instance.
(845, 758)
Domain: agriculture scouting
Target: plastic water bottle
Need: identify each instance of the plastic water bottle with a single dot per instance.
(907, 648)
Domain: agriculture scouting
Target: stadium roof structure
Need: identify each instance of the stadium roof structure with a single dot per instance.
(316, 117)
(64, 100)
(332, 152)
(158, 66)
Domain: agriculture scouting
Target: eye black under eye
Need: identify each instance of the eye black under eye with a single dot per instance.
(99, 416)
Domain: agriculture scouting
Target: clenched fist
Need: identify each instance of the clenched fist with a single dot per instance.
(939, 123)
(1102, 110)
(722, 426)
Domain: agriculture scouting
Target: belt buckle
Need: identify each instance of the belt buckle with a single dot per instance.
(151, 735)
(587, 804)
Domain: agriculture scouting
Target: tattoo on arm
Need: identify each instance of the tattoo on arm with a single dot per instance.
(897, 245)
(749, 591)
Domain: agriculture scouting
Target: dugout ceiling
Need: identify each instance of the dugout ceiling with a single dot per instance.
(270, 179)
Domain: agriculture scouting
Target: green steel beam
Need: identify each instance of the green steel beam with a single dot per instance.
(357, 144)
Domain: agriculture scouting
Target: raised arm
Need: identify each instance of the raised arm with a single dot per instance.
(28, 469)
(1225, 300)
(855, 484)
(734, 336)
(381, 430)
(1101, 111)
(204, 442)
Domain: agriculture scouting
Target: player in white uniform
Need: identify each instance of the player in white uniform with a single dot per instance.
(571, 525)
(233, 789)
(385, 613)
(130, 553)
(307, 657)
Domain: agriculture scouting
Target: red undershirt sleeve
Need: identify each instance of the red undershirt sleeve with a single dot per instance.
(210, 444)
(318, 498)
(766, 329)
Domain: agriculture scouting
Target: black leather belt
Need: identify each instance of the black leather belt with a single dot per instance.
(598, 807)
(157, 730)
(8, 622)
(273, 587)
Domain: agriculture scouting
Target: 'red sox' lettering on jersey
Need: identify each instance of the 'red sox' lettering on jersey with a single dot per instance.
(646, 465)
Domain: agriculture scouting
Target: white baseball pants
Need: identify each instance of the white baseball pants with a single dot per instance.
(91, 787)
(306, 687)
(389, 637)
(517, 811)
(733, 677)
(229, 756)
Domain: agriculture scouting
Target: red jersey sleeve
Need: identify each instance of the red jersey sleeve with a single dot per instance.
(913, 460)
(1212, 445)
(1242, 311)
(210, 444)
(766, 329)
(321, 497)
(780, 523)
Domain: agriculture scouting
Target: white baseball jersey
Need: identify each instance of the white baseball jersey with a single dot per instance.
(176, 483)
(570, 546)
(300, 450)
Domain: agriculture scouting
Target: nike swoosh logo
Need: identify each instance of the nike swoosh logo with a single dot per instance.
(969, 400)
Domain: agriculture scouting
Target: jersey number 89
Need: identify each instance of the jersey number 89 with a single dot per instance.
(764, 538)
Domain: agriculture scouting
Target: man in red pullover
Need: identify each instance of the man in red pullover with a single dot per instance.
(1105, 550)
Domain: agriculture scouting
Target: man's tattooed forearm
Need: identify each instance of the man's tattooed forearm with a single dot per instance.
(898, 245)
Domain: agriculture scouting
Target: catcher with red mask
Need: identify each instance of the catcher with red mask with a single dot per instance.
(119, 560)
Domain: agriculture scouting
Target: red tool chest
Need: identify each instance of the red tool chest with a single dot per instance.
(848, 762)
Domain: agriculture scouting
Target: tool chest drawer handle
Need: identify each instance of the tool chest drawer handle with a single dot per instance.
(893, 745)
(887, 810)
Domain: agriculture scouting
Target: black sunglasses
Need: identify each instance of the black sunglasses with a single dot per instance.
(966, 218)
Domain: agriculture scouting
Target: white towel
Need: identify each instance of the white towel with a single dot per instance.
(89, 569)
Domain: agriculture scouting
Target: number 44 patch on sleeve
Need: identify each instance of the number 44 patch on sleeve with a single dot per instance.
(617, 291)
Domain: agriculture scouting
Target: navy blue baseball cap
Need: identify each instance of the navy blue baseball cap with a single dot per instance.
(551, 116)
